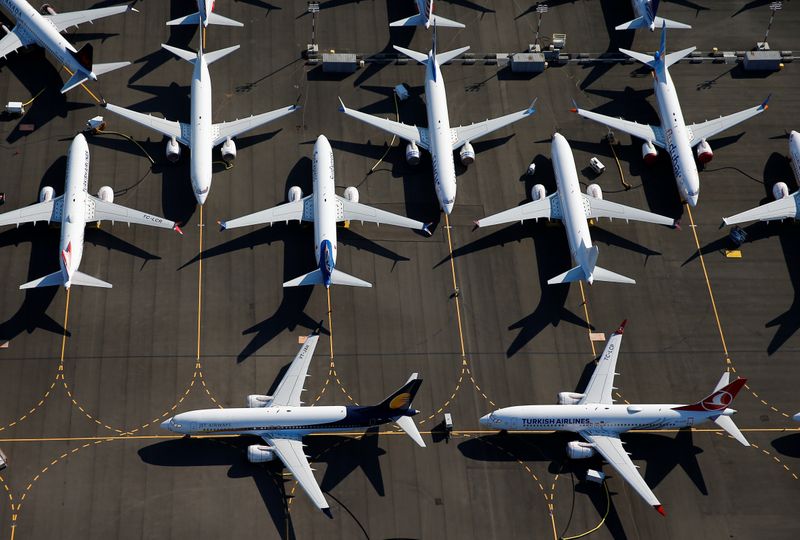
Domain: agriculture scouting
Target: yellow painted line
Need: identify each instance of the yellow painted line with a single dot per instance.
(84, 86)
(586, 314)
(200, 284)
(455, 284)
(708, 282)
(64, 335)
(330, 322)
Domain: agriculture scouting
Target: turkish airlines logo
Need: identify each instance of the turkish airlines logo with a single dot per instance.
(717, 401)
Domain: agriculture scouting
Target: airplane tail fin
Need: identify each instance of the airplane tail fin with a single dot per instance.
(84, 56)
(57, 278)
(195, 19)
(719, 400)
(317, 278)
(398, 407)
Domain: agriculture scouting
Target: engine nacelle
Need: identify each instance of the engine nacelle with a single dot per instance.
(780, 190)
(228, 150)
(569, 398)
(46, 194)
(575, 450)
(351, 194)
(594, 191)
(704, 153)
(412, 153)
(295, 194)
(47, 9)
(467, 155)
(105, 193)
(173, 150)
(649, 153)
(258, 453)
(538, 192)
(257, 401)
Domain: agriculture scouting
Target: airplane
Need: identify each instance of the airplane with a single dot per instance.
(426, 18)
(574, 209)
(599, 421)
(325, 208)
(205, 15)
(282, 421)
(673, 134)
(784, 206)
(33, 28)
(440, 140)
(200, 135)
(645, 11)
(73, 210)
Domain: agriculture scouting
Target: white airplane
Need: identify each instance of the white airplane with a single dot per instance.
(325, 208)
(574, 209)
(200, 134)
(673, 134)
(205, 15)
(73, 210)
(438, 138)
(645, 11)
(784, 206)
(594, 416)
(426, 17)
(33, 28)
(282, 421)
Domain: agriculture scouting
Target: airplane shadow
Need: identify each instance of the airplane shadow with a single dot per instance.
(611, 18)
(346, 454)
(788, 445)
(398, 35)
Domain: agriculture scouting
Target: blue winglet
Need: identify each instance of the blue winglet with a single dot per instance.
(574, 106)
(764, 106)
(532, 108)
(341, 105)
(426, 228)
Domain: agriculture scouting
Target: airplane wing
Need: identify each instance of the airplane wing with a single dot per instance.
(548, 208)
(602, 382)
(610, 447)
(641, 131)
(785, 208)
(599, 208)
(43, 211)
(416, 134)
(62, 21)
(302, 210)
(229, 130)
(100, 210)
(353, 211)
(465, 134)
(167, 127)
(290, 451)
(291, 386)
(14, 40)
(709, 128)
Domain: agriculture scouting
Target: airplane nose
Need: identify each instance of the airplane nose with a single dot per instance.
(201, 198)
(692, 200)
(165, 424)
(448, 208)
(485, 422)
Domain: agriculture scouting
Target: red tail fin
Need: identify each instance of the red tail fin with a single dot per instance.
(718, 400)
(84, 56)
(66, 255)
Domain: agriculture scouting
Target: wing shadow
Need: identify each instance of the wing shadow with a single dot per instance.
(346, 454)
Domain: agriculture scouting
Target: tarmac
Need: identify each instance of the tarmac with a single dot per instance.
(202, 320)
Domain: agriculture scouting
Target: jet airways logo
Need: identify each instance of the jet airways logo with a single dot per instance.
(400, 401)
(717, 401)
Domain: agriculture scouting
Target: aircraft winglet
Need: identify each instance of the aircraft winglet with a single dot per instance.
(660, 509)
(765, 105)
(621, 328)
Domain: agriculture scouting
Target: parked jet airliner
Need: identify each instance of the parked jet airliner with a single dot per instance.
(574, 209)
(282, 421)
(73, 210)
(645, 11)
(438, 138)
(594, 416)
(33, 28)
(325, 208)
(426, 17)
(205, 15)
(673, 134)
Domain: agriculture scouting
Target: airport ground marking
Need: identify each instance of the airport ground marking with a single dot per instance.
(728, 362)
(198, 366)
(585, 304)
(602, 521)
(775, 458)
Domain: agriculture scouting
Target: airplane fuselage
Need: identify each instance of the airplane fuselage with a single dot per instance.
(595, 417)
(440, 135)
(205, 7)
(201, 131)
(676, 138)
(73, 210)
(570, 199)
(29, 21)
(326, 208)
(641, 8)
(794, 154)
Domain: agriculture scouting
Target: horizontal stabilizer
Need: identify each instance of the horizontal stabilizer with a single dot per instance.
(419, 20)
(189, 56)
(675, 57)
(216, 55)
(52, 280)
(726, 423)
(79, 278)
(100, 69)
(194, 19)
(601, 274)
(667, 23)
(75, 80)
(414, 55)
(316, 278)
(416, 20)
(213, 18)
(641, 57)
(443, 58)
(638, 22)
(407, 424)
(574, 274)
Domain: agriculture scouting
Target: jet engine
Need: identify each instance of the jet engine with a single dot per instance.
(467, 155)
(256, 401)
(47, 9)
(649, 153)
(575, 450)
(412, 153)
(105, 193)
(569, 398)
(295, 194)
(704, 153)
(173, 150)
(594, 191)
(780, 190)
(538, 192)
(351, 194)
(228, 150)
(46, 194)
(258, 453)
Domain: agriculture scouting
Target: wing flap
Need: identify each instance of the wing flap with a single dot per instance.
(547, 208)
(291, 386)
(599, 208)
